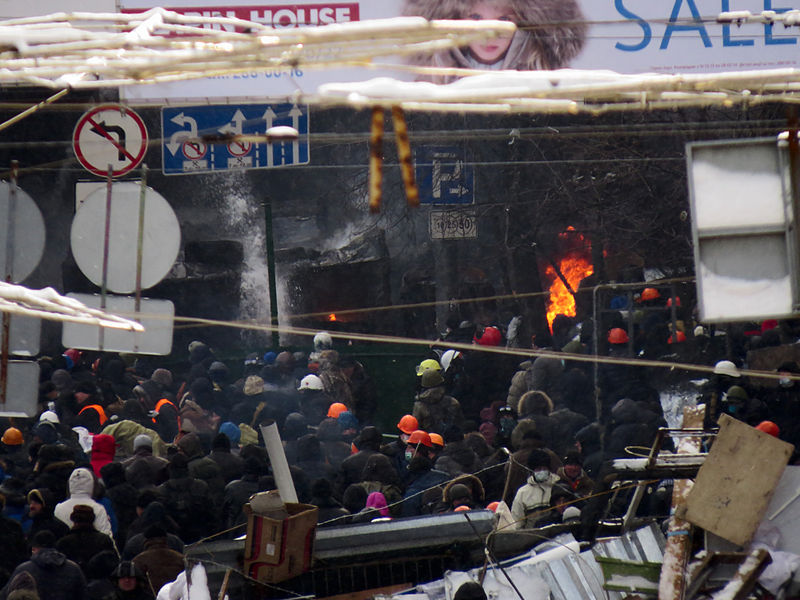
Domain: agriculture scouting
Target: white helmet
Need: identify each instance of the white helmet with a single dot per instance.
(48, 416)
(310, 382)
(448, 357)
(323, 341)
(726, 367)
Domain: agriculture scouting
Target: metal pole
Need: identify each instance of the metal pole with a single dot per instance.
(106, 243)
(794, 179)
(273, 288)
(140, 240)
(8, 277)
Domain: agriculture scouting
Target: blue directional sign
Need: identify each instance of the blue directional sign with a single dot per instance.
(194, 137)
(444, 175)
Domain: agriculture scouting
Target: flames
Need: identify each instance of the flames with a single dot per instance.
(574, 266)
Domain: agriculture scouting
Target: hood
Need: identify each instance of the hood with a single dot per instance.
(329, 430)
(471, 482)
(48, 558)
(431, 395)
(461, 453)
(190, 445)
(534, 403)
(103, 445)
(379, 468)
(625, 411)
(81, 482)
(45, 496)
(294, 427)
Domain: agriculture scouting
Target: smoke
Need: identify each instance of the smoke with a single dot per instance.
(244, 217)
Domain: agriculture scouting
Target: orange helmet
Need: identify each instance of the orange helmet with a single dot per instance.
(769, 427)
(650, 294)
(492, 506)
(461, 508)
(618, 336)
(437, 440)
(420, 437)
(335, 409)
(408, 424)
(12, 437)
(678, 337)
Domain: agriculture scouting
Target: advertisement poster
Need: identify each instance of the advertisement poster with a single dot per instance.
(627, 36)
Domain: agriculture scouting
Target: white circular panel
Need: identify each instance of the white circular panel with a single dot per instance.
(161, 242)
(26, 230)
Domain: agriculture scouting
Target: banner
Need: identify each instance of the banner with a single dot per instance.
(627, 36)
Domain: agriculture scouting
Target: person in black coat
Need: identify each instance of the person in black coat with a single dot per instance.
(41, 505)
(13, 549)
(57, 577)
(421, 476)
(231, 465)
(83, 541)
(331, 512)
(368, 443)
(123, 497)
(237, 492)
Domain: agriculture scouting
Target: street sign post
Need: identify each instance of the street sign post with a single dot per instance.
(110, 134)
(156, 316)
(161, 238)
(444, 175)
(22, 393)
(189, 132)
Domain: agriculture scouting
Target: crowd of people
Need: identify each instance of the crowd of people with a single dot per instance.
(126, 464)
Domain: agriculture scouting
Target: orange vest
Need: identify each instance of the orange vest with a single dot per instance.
(100, 412)
(161, 403)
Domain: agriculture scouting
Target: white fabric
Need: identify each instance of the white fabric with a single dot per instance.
(81, 485)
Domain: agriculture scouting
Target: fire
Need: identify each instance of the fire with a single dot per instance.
(574, 267)
(332, 317)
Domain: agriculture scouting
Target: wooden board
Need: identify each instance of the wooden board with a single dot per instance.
(736, 482)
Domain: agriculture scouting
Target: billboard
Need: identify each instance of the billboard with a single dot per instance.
(627, 36)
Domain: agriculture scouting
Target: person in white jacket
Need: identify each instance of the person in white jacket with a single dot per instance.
(81, 486)
(532, 500)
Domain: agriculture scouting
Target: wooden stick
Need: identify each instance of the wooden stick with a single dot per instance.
(376, 160)
(404, 156)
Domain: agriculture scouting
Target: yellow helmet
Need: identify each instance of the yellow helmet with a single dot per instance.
(429, 364)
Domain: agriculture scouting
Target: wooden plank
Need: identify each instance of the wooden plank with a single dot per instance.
(672, 583)
(736, 482)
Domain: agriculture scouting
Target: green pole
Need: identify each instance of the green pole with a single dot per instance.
(273, 288)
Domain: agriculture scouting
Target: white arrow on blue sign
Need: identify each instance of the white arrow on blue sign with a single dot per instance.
(444, 175)
(187, 130)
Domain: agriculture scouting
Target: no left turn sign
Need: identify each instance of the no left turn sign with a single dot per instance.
(110, 134)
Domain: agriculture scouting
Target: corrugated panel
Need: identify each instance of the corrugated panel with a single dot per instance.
(571, 575)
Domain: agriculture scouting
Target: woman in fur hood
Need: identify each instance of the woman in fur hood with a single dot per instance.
(550, 33)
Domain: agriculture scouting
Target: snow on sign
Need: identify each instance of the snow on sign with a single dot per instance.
(199, 139)
(110, 134)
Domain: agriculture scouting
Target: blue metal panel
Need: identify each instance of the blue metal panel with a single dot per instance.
(444, 175)
(184, 129)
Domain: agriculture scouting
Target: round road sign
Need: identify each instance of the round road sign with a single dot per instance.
(239, 148)
(194, 150)
(110, 135)
(161, 241)
(27, 248)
